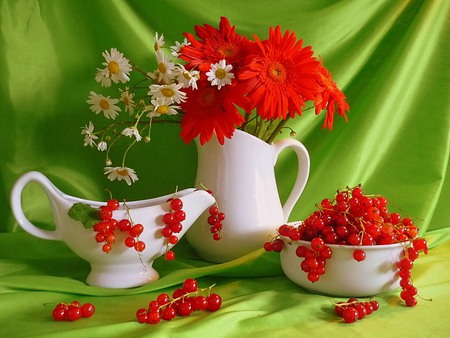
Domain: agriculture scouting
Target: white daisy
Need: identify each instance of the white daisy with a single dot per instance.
(163, 107)
(220, 74)
(103, 77)
(177, 48)
(165, 67)
(128, 99)
(132, 131)
(100, 103)
(102, 146)
(186, 77)
(159, 41)
(117, 68)
(88, 132)
(170, 91)
(121, 173)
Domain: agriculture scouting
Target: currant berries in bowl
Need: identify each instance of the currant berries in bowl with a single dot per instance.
(350, 246)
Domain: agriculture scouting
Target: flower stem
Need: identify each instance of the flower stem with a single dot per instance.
(277, 130)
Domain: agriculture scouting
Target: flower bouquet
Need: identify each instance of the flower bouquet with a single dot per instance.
(211, 84)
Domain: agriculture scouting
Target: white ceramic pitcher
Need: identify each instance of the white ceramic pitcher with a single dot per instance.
(241, 174)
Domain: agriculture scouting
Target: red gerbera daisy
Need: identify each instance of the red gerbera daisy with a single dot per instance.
(330, 97)
(209, 111)
(215, 45)
(282, 77)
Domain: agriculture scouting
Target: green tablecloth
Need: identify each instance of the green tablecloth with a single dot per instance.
(391, 59)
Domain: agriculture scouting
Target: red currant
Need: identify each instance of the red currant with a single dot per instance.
(214, 302)
(359, 255)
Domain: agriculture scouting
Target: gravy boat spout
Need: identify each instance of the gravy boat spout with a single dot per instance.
(122, 267)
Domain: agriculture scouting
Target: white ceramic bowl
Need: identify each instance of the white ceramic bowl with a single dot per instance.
(344, 276)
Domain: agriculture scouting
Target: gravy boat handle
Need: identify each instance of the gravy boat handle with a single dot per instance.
(16, 204)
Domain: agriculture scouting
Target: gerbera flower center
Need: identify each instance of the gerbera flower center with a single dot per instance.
(167, 92)
(163, 109)
(113, 67)
(162, 68)
(277, 71)
(220, 73)
(104, 104)
(122, 172)
(208, 98)
(227, 50)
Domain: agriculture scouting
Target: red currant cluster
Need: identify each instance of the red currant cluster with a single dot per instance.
(354, 310)
(184, 301)
(313, 263)
(411, 253)
(354, 218)
(215, 221)
(72, 311)
(172, 225)
(108, 225)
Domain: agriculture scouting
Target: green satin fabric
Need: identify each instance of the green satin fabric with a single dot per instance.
(391, 59)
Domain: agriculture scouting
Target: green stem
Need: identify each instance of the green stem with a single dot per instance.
(277, 130)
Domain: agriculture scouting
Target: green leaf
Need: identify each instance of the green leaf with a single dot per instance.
(84, 213)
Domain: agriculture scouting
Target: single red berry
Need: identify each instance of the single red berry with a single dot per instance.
(190, 285)
(106, 248)
(169, 313)
(200, 303)
(179, 215)
(139, 246)
(350, 315)
(169, 255)
(130, 242)
(124, 225)
(113, 204)
(163, 299)
(184, 308)
(214, 302)
(136, 230)
(173, 239)
(59, 312)
(153, 317)
(359, 255)
(87, 310)
(141, 315)
(105, 213)
(411, 301)
(176, 204)
(72, 313)
(317, 244)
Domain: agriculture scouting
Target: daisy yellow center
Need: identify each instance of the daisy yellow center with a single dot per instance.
(126, 101)
(277, 72)
(163, 109)
(220, 73)
(113, 67)
(162, 68)
(104, 104)
(167, 92)
(186, 75)
(122, 172)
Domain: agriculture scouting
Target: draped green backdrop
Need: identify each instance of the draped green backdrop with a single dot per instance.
(390, 57)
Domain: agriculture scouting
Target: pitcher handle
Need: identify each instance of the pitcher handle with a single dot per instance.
(302, 173)
(16, 204)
